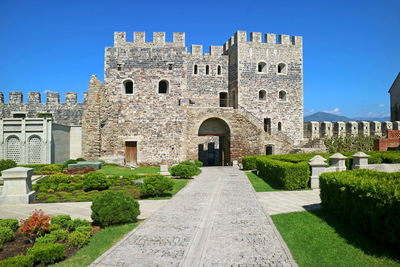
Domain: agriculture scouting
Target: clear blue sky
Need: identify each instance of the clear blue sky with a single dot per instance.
(351, 48)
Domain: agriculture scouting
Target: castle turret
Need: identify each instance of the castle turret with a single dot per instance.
(34, 97)
(1, 98)
(71, 97)
(15, 97)
(53, 97)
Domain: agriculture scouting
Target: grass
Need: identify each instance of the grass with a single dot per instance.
(98, 244)
(121, 171)
(259, 184)
(179, 184)
(318, 239)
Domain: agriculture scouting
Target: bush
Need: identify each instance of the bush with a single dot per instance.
(113, 207)
(46, 239)
(7, 164)
(12, 223)
(61, 220)
(250, 162)
(79, 239)
(87, 229)
(73, 224)
(50, 169)
(36, 225)
(18, 261)
(286, 175)
(80, 159)
(198, 163)
(60, 178)
(54, 227)
(367, 200)
(6, 234)
(61, 235)
(95, 181)
(45, 254)
(70, 161)
(156, 185)
(185, 170)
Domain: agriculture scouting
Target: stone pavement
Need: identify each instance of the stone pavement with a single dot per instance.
(216, 220)
(74, 209)
(289, 201)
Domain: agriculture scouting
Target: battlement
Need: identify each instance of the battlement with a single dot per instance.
(35, 97)
(139, 39)
(269, 38)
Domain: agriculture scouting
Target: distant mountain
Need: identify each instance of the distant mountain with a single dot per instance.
(372, 119)
(323, 116)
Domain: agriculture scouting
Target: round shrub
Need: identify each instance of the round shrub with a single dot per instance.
(50, 169)
(19, 260)
(60, 178)
(74, 224)
(95, 181)
(7, 164)
(87, 229)
(12, 223)
(79, 239)
(61, 220)
(113, 207)
(46, 239)
(198, 163)
(156, 185)
(6, 234)
(185, 170)
(60, 235)
(45, 254)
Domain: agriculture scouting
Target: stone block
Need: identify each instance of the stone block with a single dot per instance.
(86, 164)
(164, 170)
(17, 186)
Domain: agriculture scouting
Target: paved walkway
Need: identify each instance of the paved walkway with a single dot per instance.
(289, 201)
(74, 209)
(216, 220)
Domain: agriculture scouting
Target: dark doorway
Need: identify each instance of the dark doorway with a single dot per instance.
(215, 156)
(130, 152)
(269, 150)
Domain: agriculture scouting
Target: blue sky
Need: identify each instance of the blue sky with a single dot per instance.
(351, 48)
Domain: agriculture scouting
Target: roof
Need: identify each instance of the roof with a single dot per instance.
(396, 81)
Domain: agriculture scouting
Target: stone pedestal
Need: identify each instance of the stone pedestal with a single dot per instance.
(360, 160)
(17, 186)
(338, 161)
(164, 170)
(318, 165)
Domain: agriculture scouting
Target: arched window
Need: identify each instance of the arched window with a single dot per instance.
(262, 95)
(35, 150)
(128, 85)
(282, 68)
(219, 70)
(207, 69)
(262, 67)
(163, 87)
(195, 69)
(14, 149)
(282, 96)
(279, 126)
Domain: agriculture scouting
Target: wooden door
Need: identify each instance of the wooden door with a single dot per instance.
(130, 152)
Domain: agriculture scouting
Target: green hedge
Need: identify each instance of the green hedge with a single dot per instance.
(286, 175)
(367, 200)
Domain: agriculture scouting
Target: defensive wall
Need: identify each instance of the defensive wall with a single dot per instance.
(67, 113)
(315, 130)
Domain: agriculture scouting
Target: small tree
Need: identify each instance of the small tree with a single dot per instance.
(35, 226)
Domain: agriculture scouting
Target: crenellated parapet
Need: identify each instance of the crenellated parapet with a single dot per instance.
(139, 39)
(68, 112)
(316, 130)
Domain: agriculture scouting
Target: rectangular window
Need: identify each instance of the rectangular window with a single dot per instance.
(267, 125)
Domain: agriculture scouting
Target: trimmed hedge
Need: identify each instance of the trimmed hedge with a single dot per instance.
(20, 261)
(12, 223)
(6, 164)
(286, 175)
(367, 200)
(45, 254)
(6, 234)
(185, 169)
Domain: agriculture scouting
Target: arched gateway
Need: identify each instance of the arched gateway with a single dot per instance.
(217, 133)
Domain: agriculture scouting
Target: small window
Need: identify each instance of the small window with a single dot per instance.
(19, 115)
(195, 69)
(279, 126)
(282, 68)
(170, 66)
(119, 66)
(282, 96)
(262, 95)
(223, 99)
(207, 69)
(163, 87)
(128, 87)
(219, 70)
(262, 67)
(267, 125)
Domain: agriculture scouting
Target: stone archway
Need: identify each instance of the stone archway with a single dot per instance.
(217, 137)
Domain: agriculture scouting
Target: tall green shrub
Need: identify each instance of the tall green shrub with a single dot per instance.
(156, 185)
(367, 200)
(95, 181)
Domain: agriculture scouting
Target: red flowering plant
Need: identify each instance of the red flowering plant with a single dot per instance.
(36, 225)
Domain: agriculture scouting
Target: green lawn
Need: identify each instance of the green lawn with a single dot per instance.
(99, 244)
(259, 184)
(318, 239)
(121, 171)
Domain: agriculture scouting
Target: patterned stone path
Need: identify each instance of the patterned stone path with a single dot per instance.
(289, 201)
(216, 220)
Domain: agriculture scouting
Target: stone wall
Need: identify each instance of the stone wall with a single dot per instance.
(67, 113)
